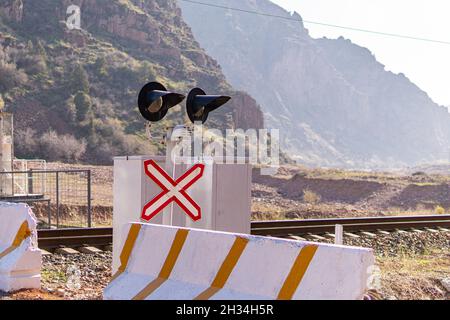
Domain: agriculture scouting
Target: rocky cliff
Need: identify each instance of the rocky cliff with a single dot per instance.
(12, 10)
(334, 103)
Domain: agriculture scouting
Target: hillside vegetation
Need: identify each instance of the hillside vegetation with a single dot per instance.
(73, 92)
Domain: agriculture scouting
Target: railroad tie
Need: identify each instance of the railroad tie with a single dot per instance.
(89, 250)
(351, 235)
(294, 237)
(66, 251)
(316, 237)
(368, 234)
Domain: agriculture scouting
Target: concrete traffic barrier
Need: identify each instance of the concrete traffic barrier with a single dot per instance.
(20, 259)
(161, 262)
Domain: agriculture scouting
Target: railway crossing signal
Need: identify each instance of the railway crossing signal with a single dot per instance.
(155, 101)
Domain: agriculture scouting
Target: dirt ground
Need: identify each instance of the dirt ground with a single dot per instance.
(30, 295)
(300, 193)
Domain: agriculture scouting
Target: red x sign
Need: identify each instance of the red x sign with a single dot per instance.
(173, 190)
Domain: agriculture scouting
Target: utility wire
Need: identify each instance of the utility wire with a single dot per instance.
(317, 23)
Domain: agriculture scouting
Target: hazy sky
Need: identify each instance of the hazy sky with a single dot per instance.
(426, 64)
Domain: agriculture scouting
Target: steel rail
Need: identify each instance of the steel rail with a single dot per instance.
(358, 227)
(79, 237)
(345, 221)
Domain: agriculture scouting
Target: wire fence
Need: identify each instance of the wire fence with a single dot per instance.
(60, 198)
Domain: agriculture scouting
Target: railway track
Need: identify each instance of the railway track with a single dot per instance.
(354, 225)
(72, 238)
(98, 237)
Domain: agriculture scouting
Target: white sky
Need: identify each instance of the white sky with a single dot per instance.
(426, 64)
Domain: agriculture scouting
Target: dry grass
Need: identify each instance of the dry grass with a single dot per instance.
(439, 210)
(311, 197)
(400, 176)
(420, 211)
(415, 277)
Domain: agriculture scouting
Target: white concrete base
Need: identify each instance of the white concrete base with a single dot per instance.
(21, 280)
(20, 259)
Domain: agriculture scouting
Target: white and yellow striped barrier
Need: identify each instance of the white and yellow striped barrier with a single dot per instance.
(161, 262)
(20, 259)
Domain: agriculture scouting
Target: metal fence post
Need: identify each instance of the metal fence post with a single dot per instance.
(89, 199)
(57, 199)
(49, 214)
(30, 182)
(13, 191)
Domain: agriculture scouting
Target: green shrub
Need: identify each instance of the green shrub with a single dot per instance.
(79, 79)
(100, 67)
(32, 64)
(83, 105)
(70, 113)
(10, 75)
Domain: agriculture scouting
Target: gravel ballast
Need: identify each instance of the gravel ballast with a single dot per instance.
(77, 276)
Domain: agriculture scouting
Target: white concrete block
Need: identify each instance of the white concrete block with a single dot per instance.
(20, 258)
(161, 262)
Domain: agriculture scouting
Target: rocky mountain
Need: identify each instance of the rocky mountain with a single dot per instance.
(334, 103)
(73, 92)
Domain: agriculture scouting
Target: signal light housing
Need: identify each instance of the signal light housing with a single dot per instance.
(199, 104)
(155, 101)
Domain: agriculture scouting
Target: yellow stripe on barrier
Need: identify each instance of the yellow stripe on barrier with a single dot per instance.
(169, 264)
(225, 270)
(127, 249)
(297, 272)
(23, 233)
